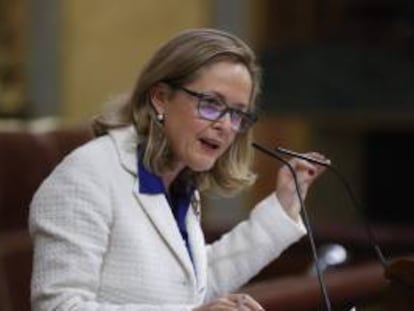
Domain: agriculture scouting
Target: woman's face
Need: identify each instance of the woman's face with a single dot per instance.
(197, 143)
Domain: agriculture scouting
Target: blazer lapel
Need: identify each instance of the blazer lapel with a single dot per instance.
(197, 243)
(159, 212)
(155, 206)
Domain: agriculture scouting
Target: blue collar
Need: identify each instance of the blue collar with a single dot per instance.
(148, 182)
(179, 200)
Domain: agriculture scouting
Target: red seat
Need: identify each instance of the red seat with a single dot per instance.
(26, 158)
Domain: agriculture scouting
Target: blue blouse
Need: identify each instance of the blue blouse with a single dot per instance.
(179, 198)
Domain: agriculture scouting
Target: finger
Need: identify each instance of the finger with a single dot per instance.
(304, 167)
(237, 299)
(246, 302)
(226, 303)
(313, 169)
(220, 304)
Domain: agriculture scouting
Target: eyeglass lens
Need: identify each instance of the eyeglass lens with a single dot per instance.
(213, 110)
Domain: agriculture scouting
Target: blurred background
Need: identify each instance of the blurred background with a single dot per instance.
(338, 78)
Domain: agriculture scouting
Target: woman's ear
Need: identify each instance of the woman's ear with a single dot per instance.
(159, 96)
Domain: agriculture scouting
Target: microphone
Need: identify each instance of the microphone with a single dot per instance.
(305, 217)
(302, 156)
(355, 203)
(395, 270)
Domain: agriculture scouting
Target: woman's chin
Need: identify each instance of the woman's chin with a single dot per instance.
(201, 166)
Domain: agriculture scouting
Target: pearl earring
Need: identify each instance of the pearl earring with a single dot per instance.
(160, 117)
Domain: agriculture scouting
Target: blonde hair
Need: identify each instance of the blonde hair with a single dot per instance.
(178, 62)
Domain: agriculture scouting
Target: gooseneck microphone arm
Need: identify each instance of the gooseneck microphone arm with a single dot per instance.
(355, 202)
(305, 217)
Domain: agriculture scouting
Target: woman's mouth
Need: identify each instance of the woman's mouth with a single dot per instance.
(210, 144)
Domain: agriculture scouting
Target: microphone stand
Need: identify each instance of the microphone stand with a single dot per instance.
(399, 271)
(305, 217)
(357, 206)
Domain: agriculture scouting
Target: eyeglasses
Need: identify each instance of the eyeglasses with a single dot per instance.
(213, 108)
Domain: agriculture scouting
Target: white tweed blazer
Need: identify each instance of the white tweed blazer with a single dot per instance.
(99, 244)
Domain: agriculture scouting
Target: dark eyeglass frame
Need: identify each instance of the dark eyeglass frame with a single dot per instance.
(247, 119)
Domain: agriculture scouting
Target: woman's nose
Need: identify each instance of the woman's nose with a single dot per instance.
(224, 121)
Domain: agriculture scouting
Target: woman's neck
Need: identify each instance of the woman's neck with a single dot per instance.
(169, 177)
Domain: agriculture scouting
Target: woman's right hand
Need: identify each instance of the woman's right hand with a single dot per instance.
(232, 302)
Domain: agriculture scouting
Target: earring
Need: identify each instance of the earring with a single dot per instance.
(160, 117)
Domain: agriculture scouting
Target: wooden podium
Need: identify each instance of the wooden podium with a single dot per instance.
(390, 289)
(399, 295)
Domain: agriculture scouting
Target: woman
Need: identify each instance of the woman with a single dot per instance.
(116, 226)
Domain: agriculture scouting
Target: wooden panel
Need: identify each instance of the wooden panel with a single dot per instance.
(13, 44)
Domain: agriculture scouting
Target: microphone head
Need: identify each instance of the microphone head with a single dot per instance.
(295, 154)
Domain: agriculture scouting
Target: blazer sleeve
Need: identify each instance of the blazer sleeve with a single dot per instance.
(70, 221)
(241, 253)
